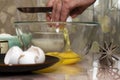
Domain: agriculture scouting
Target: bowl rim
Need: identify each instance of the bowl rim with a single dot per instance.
(44, 22)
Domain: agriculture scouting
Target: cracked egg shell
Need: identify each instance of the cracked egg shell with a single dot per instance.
(27, 58)
(16, 56)
(13, 55)
(40, 55)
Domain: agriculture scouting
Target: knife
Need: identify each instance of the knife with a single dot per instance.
(35, 9)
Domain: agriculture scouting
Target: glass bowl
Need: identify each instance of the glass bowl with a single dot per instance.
(61, 39)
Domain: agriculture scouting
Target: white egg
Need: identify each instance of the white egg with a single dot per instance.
(27, 58)
(39, 54)
(13, 55)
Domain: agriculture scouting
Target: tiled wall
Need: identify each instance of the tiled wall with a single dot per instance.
(8, 15)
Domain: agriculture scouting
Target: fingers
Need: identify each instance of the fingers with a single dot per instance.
(56, 13)
(48, 16)
(64, 12)
(59, 12)
(63, 8)
(49, 4)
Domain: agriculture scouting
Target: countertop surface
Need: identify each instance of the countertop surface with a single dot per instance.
(80, 71)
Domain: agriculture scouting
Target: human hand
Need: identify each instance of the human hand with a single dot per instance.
(64, 8)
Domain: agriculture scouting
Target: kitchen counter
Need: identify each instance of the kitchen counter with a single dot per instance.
(80, 71)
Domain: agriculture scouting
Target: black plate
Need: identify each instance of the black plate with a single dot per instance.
(50, 60)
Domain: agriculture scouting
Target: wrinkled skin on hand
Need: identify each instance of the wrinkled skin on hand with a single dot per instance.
(64, 8)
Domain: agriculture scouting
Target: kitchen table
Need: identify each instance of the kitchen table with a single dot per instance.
(80, 71)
